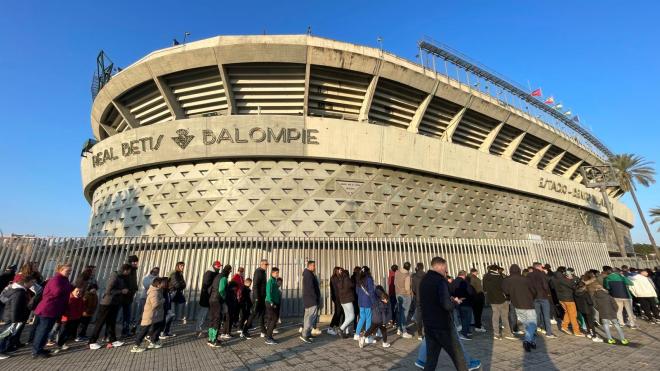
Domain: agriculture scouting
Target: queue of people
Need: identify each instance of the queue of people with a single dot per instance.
(446, 311)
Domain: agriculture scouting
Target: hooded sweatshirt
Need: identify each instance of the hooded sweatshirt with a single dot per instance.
(518, 289)
(642, 287)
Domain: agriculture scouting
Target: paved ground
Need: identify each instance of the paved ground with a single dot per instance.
(187, 352)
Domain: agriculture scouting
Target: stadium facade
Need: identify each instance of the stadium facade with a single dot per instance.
(301, 136)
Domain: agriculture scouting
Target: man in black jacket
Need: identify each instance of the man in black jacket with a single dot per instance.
(127, 299)
(520, 291)
(539, 280)
(207, 281)
(416, 280)
(500, 306)
(437, 306)
(463, 291)
(15, 313)
(311, 301)
(259, 300)
(109, 306)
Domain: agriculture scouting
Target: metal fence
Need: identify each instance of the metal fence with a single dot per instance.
(290, 255)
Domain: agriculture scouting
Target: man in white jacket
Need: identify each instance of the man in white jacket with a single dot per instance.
(644, 290)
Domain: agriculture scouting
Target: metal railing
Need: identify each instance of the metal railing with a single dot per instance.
(290, 255)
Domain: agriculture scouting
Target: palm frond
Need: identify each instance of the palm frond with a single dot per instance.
(632, 169)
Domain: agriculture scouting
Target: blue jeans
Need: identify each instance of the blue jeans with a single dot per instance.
(542, 307)
(364, 321)
(606, 327)
(403, 303)
(466, 318)
(528, 318)
(41, 334)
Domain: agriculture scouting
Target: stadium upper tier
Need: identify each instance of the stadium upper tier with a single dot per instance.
(311, 76)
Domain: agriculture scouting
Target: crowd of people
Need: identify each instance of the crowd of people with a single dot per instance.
(444, 311)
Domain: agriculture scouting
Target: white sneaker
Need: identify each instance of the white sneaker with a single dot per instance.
(117, 343)
(3, 356)
(552, 321)
(276, 331)
(596, 339)
(356, 337)
(95, 346)
(331, 331)
(370, 340)
(379, 334)
(386, 345)
(316, 332)
(300, 330)
(64, 347)
(361, 342)
(263, 335)
(479, 329)
(398, 332)
(406, 335)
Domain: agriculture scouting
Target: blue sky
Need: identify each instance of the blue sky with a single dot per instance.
(600, 58)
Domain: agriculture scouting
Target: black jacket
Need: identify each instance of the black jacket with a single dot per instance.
(311, 291)
(493, 287)
(565, 288)
(207, 281)
(583, 301)
(112, 294)
(539, 280)
(415, 280)
(518, 289)
(15, 300)
(381, 313)
(177, 285)
(246, 301)
(436, 302)
(463, 290)
(344, 289)
(259, 285)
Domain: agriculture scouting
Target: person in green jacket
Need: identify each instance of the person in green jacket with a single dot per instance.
(273, 297)
(217, 304)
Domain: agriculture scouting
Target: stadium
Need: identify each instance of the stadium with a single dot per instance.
(301, 136)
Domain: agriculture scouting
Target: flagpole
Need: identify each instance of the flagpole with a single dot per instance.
(529, 86)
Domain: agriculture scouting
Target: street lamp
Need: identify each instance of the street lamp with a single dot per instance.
(603, 177)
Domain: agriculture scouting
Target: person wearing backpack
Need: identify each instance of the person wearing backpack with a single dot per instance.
(381, 314)
(14, 302)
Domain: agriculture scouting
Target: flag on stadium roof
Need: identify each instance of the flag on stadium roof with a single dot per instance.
(559, 106)
(568, 113)
(576, 119)
(550, 100)
(537, 93)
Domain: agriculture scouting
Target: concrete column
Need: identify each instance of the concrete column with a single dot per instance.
(125, 114)
(170, 99)
(513, 146)
(231, 104)
(569, 172)
(453, 124)
(421, 110)
(490, 138)
(307, 75)
(368, 98)
(534, 162)
(553, 163)
(109, 129)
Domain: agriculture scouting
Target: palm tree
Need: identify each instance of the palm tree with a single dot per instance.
(655, 213)
(633, 169)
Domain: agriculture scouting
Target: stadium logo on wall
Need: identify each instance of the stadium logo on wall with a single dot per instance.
(183, 138)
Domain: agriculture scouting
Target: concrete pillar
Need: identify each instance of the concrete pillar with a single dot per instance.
(569, 172)
(421, 110)
(231, 104)
(513, 146)
(453, 124)
(170, 99)
(534, 162)
(553, 163)
(125, 114)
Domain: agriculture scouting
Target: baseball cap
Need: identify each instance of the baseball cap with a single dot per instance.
(217, 264)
